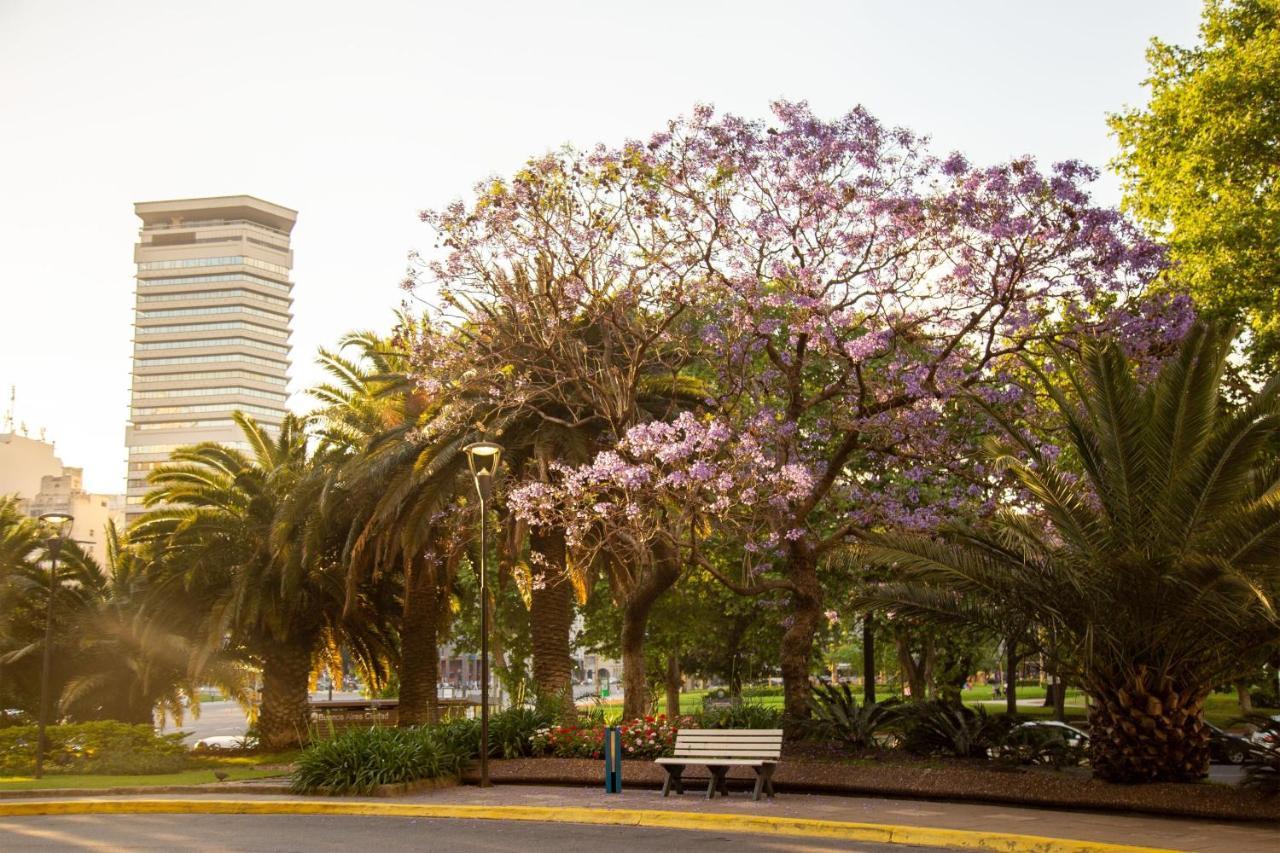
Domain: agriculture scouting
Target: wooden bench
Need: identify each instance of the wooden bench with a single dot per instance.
(720, 749)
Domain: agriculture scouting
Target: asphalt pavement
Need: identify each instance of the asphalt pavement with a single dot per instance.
(121, 833)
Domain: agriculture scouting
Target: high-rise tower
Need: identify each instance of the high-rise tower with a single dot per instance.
(212, 325)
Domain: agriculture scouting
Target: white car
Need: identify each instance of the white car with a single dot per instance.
(1075, 738)
(1269, 739)
(217, 743)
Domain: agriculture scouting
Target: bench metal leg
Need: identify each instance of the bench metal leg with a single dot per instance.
(755, 793)
(767, 776)
(673, 778)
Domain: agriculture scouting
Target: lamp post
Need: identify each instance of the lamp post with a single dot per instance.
(60, 522)
(483, 458)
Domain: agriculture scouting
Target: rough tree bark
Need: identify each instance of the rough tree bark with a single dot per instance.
(636, 607)
(1145, 728)
(282, 717)
(419, 648)
(797, 641)
(550, 621)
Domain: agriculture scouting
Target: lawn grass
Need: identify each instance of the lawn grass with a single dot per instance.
(1220, 709)
(238, 768)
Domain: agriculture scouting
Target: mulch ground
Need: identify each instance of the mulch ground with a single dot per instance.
(932, 779)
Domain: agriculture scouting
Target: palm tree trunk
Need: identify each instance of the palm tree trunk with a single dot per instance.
(282, 718)
(673, 685)
(550, 622)
(419, 649)
(1148, 729)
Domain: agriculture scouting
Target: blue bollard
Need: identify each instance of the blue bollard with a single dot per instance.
(612, 760)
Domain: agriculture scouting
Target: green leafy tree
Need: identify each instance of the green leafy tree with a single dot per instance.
(1152, 567)
(1201, 165)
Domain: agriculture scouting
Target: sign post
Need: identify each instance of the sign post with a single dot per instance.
(612, 760)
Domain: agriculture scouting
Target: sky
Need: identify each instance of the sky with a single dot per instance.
(359, 115)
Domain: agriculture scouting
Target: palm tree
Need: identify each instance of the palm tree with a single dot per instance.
(140, 646)
(1152, 564)
(219, 519)
(393, 497)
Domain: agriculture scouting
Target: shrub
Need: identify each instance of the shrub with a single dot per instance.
(838, 716)
(98, 747)
(748, 715)
(359, 760)
(936, 728)
(511, 731)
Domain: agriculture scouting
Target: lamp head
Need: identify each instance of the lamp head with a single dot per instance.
(483, 458)
(60, 522)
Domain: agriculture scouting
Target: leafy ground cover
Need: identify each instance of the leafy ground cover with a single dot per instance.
(200, 771)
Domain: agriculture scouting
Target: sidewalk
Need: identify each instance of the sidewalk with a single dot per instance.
(1163, 833)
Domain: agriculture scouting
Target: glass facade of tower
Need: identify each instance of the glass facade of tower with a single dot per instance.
(213, 320)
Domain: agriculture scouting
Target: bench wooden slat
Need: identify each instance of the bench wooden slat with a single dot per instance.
(693, 739)
(732, 732)
(715, 762)
(739, 750)
(700, 736)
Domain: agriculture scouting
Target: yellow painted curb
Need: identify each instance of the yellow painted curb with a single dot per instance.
(763, 825)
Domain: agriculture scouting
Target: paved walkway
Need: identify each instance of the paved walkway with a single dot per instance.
(1166, 833)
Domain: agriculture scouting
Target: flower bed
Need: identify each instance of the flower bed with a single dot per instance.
(648, 737)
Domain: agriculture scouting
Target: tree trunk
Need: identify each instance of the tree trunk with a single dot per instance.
(916, 672)
(659, 578)
(868, 659)
(1243, 697)
(1148, 730)
(282, 718)
(419, 649)
(550, 621)
(797, 642)
(673, 685)
(1011, 677)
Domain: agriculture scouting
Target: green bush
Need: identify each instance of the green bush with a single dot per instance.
(937, 728)
(99, 747)
(359, 760)
(511, 731)
(838, 716)
(748, 715)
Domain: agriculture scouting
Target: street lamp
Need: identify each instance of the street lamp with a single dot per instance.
(60, 524)
(483, 458)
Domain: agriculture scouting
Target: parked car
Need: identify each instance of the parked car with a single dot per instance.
(1228, 748)
(1268, 738)
(1075, 738)
(221, 743)
(1045, 742)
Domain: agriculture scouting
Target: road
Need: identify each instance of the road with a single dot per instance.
(121, 833)
(227, 718)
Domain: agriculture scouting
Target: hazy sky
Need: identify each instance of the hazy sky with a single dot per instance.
(360, 114)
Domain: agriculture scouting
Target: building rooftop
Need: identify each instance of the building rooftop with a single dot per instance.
(247, 207)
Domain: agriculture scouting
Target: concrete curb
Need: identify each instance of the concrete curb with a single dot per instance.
(750, 824)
